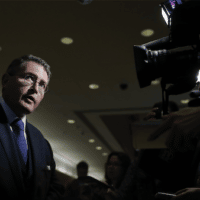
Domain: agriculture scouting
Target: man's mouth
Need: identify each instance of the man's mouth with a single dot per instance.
(110, 172)
(29, 99)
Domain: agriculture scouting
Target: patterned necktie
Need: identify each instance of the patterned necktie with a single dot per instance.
(18, 129)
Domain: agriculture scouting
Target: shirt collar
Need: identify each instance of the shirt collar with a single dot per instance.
(11, 116)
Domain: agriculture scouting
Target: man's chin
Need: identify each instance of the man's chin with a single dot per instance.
(27, 108)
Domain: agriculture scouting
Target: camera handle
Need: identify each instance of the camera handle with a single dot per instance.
(165, 97)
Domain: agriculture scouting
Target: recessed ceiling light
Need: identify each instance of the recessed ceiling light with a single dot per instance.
(185, 101)
(91, 140)
(71, 121)
(104, 154)
(98, 148)
(155, 82)
(85, 2)
(0, 48)
(67, 40)
(93, 86)
(147, 32)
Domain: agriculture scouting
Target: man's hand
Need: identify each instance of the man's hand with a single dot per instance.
(112, 195)
(187, 194)
(151, 116)
(182, 126)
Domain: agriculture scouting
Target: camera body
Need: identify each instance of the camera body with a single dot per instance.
(175, 58)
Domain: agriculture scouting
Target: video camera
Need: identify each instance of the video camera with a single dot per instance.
(174, 58)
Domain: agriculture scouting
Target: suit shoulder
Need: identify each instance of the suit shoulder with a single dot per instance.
(36, 131)
(38, 134)
(40, 140)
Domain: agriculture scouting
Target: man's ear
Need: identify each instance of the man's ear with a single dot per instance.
(5, 79)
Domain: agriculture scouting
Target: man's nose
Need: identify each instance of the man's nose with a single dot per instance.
(35, 87)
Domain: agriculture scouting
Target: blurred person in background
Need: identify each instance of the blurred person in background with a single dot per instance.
(73, 189)
(146, 185)
(116, 167)
(115, 170)
(183, 128)
(82, 169)
(157, 111)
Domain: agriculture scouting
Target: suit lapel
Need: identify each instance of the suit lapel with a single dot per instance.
(9, 146)
(38, 161)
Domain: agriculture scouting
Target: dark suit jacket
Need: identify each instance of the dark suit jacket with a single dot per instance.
(44, 184)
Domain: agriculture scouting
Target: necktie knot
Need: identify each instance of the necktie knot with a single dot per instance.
(18, 125)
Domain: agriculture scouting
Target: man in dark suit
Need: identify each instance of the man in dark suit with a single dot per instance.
(27, 167)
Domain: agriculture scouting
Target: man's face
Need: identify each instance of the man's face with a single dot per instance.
(17, 95)
(114, 169)
(82, 172)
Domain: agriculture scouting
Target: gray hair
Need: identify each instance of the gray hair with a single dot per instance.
(19, 62)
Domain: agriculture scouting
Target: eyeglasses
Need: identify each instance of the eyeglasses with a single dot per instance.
(28, 79)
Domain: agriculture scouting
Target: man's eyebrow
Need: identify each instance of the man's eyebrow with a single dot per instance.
(29, 73)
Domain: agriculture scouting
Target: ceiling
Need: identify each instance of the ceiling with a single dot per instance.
(104, 33)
